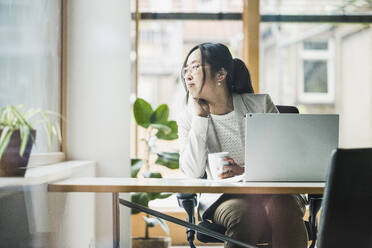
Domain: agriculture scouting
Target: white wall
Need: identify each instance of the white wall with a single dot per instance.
(71, 216)
(356, 90)
(98, 109)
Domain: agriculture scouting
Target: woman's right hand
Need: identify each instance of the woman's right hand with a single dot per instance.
(201, 107)
(231, 168)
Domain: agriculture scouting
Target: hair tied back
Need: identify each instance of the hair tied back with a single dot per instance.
(241, 79)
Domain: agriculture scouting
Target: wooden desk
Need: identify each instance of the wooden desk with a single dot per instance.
(120, 185)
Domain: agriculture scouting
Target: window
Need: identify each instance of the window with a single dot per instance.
(318, 63)
(316, 73)
(189, 6)
(322, 68)
(316, 7)
(30, 57)
(164, 44)
(315, 76)
(163, 47)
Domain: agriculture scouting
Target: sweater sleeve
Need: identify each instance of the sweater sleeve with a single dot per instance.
(192, 134)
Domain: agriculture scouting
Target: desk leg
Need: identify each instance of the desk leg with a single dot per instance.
(115, 220)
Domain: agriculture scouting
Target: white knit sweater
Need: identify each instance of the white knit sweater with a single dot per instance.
(199, 136)
(230, 135)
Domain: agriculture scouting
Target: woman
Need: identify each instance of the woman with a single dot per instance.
(219, 92)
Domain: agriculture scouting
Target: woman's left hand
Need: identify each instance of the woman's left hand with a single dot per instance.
(231, 169)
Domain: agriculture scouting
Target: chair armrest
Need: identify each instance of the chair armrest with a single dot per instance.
(315, 203)
(188, 202)
(183, 197)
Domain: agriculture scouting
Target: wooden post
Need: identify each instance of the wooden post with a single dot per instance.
(251, 40)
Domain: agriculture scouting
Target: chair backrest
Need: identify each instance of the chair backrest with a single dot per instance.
(346, 219)
(287, 109)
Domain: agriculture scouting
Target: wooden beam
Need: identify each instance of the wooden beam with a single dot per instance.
(237, 16)
(251, 40)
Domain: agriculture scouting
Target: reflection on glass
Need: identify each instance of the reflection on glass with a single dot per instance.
(315, 7)
(204, 6)
(321, 68)
(315, 76)
(30, 57)
(163, 45)
(315, 45)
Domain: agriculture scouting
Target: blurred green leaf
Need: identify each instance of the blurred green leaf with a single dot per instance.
(173, 134)
(20, 117)
(150, 222)
(168, 159)
(160, 115)
(136, 165)
(155, 175)
(13, 118)
(153, 221)
(6, 134)
(164, 195)
(146, 117)
(162, 127)
(170, 155)
(142, 112)
(163, 225)
(148, 174)
(153, 196)
(141, 199)
(24, 131)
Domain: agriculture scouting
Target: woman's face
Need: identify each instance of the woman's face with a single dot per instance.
(193, 75)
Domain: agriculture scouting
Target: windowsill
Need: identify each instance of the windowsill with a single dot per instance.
(48, 158)
(47, 173)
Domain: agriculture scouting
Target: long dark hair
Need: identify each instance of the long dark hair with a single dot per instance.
(218, 56)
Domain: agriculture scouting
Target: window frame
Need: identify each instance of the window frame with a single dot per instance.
(317, 55)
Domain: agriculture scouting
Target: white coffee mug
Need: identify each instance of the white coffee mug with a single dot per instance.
(216, 163)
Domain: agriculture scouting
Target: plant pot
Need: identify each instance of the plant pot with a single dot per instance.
(153, 242)
(11, 163)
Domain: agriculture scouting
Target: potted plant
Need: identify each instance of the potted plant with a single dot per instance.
(157, 126)
(17, 136)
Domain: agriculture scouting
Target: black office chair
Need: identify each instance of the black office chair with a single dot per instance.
(189, 202)
(347, 206)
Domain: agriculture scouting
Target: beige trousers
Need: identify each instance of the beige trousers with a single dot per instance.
(247, 217)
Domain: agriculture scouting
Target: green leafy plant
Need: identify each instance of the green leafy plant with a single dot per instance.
(157, 127)
(16, 118)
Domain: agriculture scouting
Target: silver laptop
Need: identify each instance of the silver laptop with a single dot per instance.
(289, 147)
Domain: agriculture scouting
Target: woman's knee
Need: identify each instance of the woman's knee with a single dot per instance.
(232, 212)
(284, 205)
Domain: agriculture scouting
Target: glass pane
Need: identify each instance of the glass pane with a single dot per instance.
(315, 76)
(315, 7)
(346, 78)
(163, 46)
(315, 45)
(30, 57)
(210, 6)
